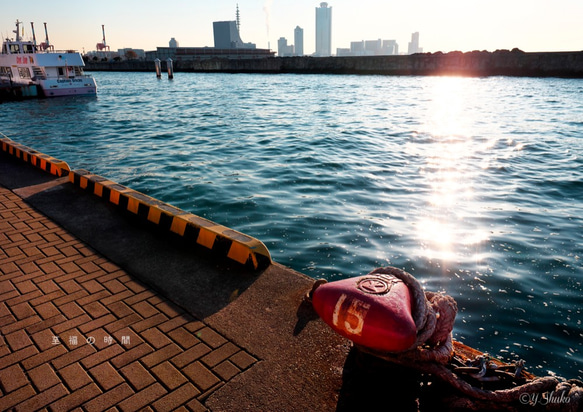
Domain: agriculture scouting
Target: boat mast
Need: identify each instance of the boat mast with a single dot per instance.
(17, 31)
(47, 43)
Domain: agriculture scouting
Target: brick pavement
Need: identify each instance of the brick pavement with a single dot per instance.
(79, 333)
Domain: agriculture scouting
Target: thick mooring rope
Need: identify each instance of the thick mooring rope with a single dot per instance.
(434, 316)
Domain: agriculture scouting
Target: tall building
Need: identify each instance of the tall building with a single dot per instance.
(323, 30)
(173, 43)
(414, 44)
(390, 47)
(299, 41)
(227, 36)
(373, 47)
(283, 49)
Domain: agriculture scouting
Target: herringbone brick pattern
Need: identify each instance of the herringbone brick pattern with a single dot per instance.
(79, 333)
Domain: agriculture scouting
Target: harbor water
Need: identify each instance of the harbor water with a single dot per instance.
(473, 185)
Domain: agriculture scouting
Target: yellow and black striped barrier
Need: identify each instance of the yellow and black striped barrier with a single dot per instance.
(220, 239)
(47, 163)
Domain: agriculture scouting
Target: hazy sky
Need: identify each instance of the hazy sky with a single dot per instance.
(446, 25)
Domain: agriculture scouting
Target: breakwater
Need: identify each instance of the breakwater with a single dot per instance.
(477, 63)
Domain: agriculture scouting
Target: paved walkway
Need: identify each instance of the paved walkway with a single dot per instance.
(100, 310)
(79, 333)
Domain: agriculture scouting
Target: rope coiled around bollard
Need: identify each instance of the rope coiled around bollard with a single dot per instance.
(434, 316)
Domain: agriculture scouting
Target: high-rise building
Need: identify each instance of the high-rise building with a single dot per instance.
(323, 30)
(414, 44)
(227, 36)
(283, 49)
(390, 47)
(299, 41)
(373, 47)
(173, 43)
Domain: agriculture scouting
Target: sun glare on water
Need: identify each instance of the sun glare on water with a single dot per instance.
(447, 228)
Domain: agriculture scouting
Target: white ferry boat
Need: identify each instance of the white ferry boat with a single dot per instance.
(28, 69)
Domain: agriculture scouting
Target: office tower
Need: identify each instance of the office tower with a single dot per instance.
(227, 36)
(414, 44)
(390, 47)
(357, 48)
(323, 30)
(299, 41)
(283, 49)
(373, 47)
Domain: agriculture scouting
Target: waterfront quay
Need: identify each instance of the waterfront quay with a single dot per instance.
(99, 311)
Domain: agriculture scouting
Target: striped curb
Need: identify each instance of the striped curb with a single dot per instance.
(47, 163)
(219, 239)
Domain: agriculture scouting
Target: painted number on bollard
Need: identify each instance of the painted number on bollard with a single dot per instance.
(349, 315)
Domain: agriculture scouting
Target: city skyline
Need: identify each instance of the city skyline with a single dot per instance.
(445, 26)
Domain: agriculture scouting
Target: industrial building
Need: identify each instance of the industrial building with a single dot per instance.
(370, 48)
(228, 45)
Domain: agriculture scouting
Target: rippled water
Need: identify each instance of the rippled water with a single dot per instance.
(474, 185)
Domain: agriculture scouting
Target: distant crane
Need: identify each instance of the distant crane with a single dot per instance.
(102, 46)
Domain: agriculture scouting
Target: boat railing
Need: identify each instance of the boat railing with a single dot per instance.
(40, 50)
(15, 49)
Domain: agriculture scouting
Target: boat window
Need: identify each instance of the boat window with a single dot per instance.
(61, 71)
(14, 48)
(38, 72)
(5, 72)
(24, 72)
(28, 48)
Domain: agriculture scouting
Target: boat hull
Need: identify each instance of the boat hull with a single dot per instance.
(71, 87)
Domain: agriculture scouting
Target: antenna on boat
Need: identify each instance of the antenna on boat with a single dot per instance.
(33, 34)
(17, 31)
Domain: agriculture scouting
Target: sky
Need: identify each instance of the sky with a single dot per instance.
(446, 25)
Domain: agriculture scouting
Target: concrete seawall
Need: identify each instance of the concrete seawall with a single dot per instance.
(499, 63)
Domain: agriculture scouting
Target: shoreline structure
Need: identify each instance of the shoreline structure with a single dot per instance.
(474, 64)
